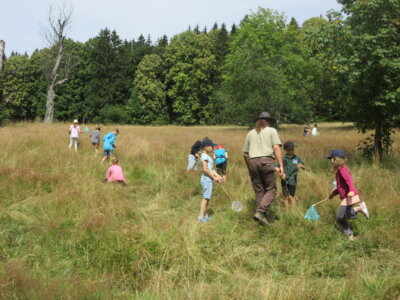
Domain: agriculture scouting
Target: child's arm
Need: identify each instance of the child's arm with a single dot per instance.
(226, 155)
(301, 166)
(333, 194)
(344, 172)
(108, 174)
(209, 173)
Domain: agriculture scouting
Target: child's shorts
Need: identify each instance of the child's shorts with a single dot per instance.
(346, 212)
(221, 168)
(207, 186)
(108, 152)
(287, 189)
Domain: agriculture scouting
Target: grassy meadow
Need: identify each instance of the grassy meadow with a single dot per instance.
(66, 235)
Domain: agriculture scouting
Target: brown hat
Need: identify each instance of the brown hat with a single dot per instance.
(265, 115)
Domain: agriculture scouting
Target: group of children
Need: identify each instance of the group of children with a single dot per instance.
(314, 131)
(114, 173)
(350, 204)
(207, 151)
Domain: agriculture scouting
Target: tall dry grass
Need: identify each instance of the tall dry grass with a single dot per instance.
(66, 235)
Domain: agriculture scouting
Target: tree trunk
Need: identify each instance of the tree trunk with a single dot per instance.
(378, 150)
(51, 95)
(2, 49)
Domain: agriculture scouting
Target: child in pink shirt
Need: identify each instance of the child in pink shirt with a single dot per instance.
(114, 173)
(347, 191)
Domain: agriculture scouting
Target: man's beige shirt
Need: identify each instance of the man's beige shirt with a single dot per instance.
(261, 144)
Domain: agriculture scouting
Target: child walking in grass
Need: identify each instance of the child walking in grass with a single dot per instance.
(350, 205)
(291, 165)
(221, 161)
(74, 131)
(109, 145)
(95, 137)
(115, 173)
(207, 178)
(194, 156)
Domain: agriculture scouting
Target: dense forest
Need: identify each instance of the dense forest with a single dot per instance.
(344, 66)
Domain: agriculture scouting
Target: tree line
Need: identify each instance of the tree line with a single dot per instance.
(344, 67)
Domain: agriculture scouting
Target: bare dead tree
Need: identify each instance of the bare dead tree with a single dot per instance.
(59, 20)
(2, 49)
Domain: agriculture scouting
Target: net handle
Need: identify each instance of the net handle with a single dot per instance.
(320, 202)
(225, 191)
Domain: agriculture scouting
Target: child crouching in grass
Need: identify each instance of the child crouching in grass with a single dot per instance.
(207, 178)
(348, 193)
(115, 173)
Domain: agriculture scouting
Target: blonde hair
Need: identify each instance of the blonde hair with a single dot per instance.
(261, 124)
(338, 162)
(114, 160)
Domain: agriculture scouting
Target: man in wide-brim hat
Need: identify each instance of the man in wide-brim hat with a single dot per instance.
(261, 148)
(266, 116)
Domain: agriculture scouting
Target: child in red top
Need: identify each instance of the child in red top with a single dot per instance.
(114, 173)
(347, 191)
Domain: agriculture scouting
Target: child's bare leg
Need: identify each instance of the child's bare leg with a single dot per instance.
(203, 207)
(286, 202)
(104, 158)
(292, 200)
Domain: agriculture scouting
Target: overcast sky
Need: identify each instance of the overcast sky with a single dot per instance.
(21, 20)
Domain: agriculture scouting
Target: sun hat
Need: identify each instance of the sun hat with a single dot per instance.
(288, 145)
(266, 116)
(337, 153)
(207, 142)
(76, 121)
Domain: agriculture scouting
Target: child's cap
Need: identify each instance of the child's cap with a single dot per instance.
(288, 146)
(337, 153)
(220, 147)
(207, 142)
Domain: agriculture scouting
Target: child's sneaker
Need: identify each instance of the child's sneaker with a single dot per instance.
(364, 209)
(202, 219)
(351, 237)
(207, 217)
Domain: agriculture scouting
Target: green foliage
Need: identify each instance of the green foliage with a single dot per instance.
(364, 50)
(148, 101)
(113, 114)
(20, 83)
(263, 71)
(190, 65)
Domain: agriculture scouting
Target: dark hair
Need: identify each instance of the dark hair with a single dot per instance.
(116, 129)
(261, 124)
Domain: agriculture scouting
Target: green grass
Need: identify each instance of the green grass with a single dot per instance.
(66, 235)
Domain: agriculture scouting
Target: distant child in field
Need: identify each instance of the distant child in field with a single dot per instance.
(194, 156)
(74, 131)
(306, 130)
(314, 130)
(207, 178)
(291, 164)
(109, 145)
(95, 137)
(221, 161)
(115, 173)
(347, 191)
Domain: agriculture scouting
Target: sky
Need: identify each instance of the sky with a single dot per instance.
(22, 21)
